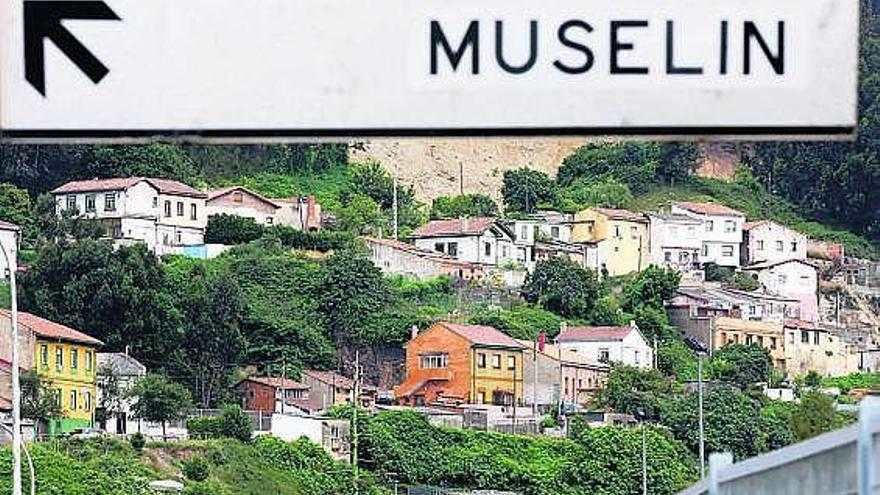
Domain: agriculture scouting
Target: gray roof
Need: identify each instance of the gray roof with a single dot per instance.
(674, 217)
(121, 364)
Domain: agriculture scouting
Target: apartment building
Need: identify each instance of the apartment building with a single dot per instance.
(722, 234)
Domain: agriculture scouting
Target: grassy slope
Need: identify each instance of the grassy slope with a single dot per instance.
(326, 186)
(757, 204)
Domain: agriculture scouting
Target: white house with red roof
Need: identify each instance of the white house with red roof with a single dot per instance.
(300, 213)
(158, 212)
(608, 344)
(767, 242)
(722, 231)
(796, 278)
(482, 240)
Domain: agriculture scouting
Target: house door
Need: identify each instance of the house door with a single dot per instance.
(120, 424)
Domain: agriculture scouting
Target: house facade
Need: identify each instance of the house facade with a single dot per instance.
(482, 240)
(722, 233)
(270, 393)
(797, 279)
(622, 344)
(158, 212)
(64, 358)
(401, 258)
(621, 238)
(327, 388)
(119, 371)
(454, 364)
(241, 202)
(814, 347)
(560, 371)
(770, 242)
(738, 331)
(675, 242)
(301, 213)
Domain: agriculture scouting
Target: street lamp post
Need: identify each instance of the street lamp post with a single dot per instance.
(16, 380)
(700, 412)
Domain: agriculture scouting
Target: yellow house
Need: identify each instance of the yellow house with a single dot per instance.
(65, 359)
(621, 237)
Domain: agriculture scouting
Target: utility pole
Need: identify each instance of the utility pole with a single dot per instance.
(394, 202)
(514, 395)
(535, 383)
(354, 430)
(700, 412)
(283, 383)
(16, 380)
(644, 462)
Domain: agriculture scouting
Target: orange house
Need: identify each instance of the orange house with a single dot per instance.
(452, 363)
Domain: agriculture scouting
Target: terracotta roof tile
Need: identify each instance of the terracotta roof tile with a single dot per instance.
(482, 335)
(50, 330)
(593, 334)
(165, 186)
(216, 193)
(331, 377)
(459, 226)
(277, 382)
(708, 209)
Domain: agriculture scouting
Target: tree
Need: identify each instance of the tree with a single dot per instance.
(155, 398)
(586, 192)
(562, 286)
(650, 287)
(112, 396)
(465, 205)
(351, 291)
(636, 391)
(39, 401)
(361, 215)
(633, 164)
(743, 365)
(524, 190)
(234, 423)
(151, 160)
(732, 422)
(677, 162)
(15, 205)
(232, 229)
(813, 415)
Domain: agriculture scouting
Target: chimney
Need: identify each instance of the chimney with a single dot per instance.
(414, 332)
(563, 326)
(632, 323)
(464, 224)
(126, 351)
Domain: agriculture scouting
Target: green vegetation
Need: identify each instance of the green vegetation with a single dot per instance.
(465, 205)
(852, 381)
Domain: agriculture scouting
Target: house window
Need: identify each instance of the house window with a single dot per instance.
(710, 225)
(673, 231)
(71, 202)
(439, 247)
(773, 342)
(511, 362)
(110, 202)
(496, 361)
(684, 257)
(88, 400)
(667, 256)
(155, 201)
(74, 359)
(73, 401)
(617, 232)
(729, 226)
(88, 360)
(793, 246)
(604, 354)
(487, 248)
(791, 337)
(805, 337)
(634, 232)
(524, 232)
(554, 232)
(481, 397)
(167, 208)
(90, 203)
(705, 250)
(179, 238)
(165, 238)
(566, 385)
(194, 213)
(783, 279)
(44, 355)
(481, 360)
(269, 220)
(180, 208)
(692, 232)
(753, 310)
(815, 338)
(779, 246)
(760, 245)
(59, 358)
(452, 249)
(727, 251)
(434, 361)
(237, 196)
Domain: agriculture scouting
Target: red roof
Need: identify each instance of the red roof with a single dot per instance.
(593, 334)
(216, 193)
(51, 330)
(165, 186)
(458, 226)
(626, 215)
(482, 335)
(277, 382)
(417, 251)
(708, 209)
(800, 324)
(329, 377)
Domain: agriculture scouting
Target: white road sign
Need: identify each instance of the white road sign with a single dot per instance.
(233, 69)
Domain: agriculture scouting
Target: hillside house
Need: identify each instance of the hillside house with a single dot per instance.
(811, 346)
(300, 213)
(484, 240)
(722, 233)
(328, 388)
(454, 364)
(770, 242)
(401, 258)
(270, 393)
(64, 357)
(621, 238)
(577, 376)
(738, 331)
(119, 371)
(547, 234)
(796, 279)
(622, 344)
(158, 212)
(675, 241)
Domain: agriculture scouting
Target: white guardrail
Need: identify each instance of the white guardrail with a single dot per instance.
(841, 462)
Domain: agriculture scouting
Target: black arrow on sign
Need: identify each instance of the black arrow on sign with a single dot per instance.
(42, 19)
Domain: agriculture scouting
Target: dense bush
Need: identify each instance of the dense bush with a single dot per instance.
(204, 428)
(138, 441)
(231, 229)
(234, 423)
(196, 468)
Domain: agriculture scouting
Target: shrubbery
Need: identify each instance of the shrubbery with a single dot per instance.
(196, 468)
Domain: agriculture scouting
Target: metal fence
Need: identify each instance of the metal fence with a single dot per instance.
(841, 462)
(261, 421)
